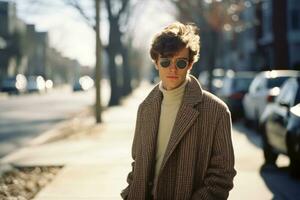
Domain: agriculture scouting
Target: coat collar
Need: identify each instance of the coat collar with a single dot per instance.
(186, 116)
(192, 94)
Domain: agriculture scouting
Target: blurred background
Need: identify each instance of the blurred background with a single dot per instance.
(61, 58)
(56, 40)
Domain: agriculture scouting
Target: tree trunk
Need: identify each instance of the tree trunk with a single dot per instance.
(126, 89)
(114, 76)
(114, 72)
(98, 108)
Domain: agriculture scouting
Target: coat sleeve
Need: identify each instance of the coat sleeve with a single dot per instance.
(135, 145)
(218, 180)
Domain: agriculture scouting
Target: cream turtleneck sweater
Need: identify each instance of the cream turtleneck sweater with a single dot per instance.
(169, 108)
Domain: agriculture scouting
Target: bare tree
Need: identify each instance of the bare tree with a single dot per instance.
(116, 50)
(119, 68)
(95, 24)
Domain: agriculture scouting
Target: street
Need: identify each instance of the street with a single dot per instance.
(24, 117)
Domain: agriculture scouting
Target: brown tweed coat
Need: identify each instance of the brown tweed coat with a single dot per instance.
(199, 159)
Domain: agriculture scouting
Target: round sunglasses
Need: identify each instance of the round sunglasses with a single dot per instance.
(181, 63)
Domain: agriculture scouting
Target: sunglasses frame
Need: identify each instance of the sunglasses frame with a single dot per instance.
(176, 62)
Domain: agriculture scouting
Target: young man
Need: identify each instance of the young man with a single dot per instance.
(182, 146)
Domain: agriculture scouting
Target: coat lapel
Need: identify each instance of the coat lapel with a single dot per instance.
(186, 116)
(184, 120)
(150, 128)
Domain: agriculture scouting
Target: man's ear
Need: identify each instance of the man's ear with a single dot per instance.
(190, 66)
(156, 65)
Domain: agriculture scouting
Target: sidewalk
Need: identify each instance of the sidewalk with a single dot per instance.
(95, 166)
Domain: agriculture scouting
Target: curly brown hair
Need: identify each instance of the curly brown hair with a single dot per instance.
(173, 38)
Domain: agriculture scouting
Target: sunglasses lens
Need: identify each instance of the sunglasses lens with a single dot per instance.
(165, 62)
(181, 63)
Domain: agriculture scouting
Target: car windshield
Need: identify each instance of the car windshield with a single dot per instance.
(242, 84)
(276, 82)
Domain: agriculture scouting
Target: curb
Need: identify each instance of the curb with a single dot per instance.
(3, 95)
(4, 168)
(59, 131)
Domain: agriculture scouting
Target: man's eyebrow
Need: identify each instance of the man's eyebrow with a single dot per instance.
(182, 58)
(173, 56)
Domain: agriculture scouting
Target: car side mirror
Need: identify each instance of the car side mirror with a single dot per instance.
(287, 106)
(284, 104)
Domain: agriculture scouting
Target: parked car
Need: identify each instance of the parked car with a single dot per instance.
(235, 86)
(14, 85)
(83, 83)
(280, 126)
(263, 89)
(217, 79)
(36, 84)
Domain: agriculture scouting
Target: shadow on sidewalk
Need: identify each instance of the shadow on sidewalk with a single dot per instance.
(251, 135)
(279, 182)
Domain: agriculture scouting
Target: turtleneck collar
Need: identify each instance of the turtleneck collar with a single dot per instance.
(175, 94)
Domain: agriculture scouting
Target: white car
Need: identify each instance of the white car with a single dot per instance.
(263, 89)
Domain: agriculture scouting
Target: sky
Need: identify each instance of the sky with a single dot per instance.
(71, 35)
(67, 31)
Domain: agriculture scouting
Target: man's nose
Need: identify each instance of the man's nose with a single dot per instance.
(173, 66)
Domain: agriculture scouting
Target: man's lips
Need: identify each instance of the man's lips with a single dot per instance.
(172, 77)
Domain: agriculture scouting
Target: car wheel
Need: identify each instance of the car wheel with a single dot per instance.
(247, 122)
(269, 154)
(294, 168)
(294, 157)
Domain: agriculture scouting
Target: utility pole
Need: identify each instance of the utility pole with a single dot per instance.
(98, 107)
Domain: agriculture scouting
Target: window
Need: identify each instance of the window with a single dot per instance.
(288, 92)
(267, 16)
(242, 83)
(295, 19)
(276, 82)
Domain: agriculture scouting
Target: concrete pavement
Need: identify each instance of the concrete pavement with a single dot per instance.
(248, 183)
(97, 159)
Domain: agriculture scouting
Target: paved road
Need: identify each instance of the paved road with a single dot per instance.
(25, 117)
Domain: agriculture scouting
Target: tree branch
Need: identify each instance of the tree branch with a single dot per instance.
(108, 7)
(75, 4)
(124, 6)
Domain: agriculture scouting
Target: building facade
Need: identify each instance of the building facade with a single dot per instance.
(266, 36)
(23, 50)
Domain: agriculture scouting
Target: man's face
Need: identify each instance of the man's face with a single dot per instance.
(173, 76)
